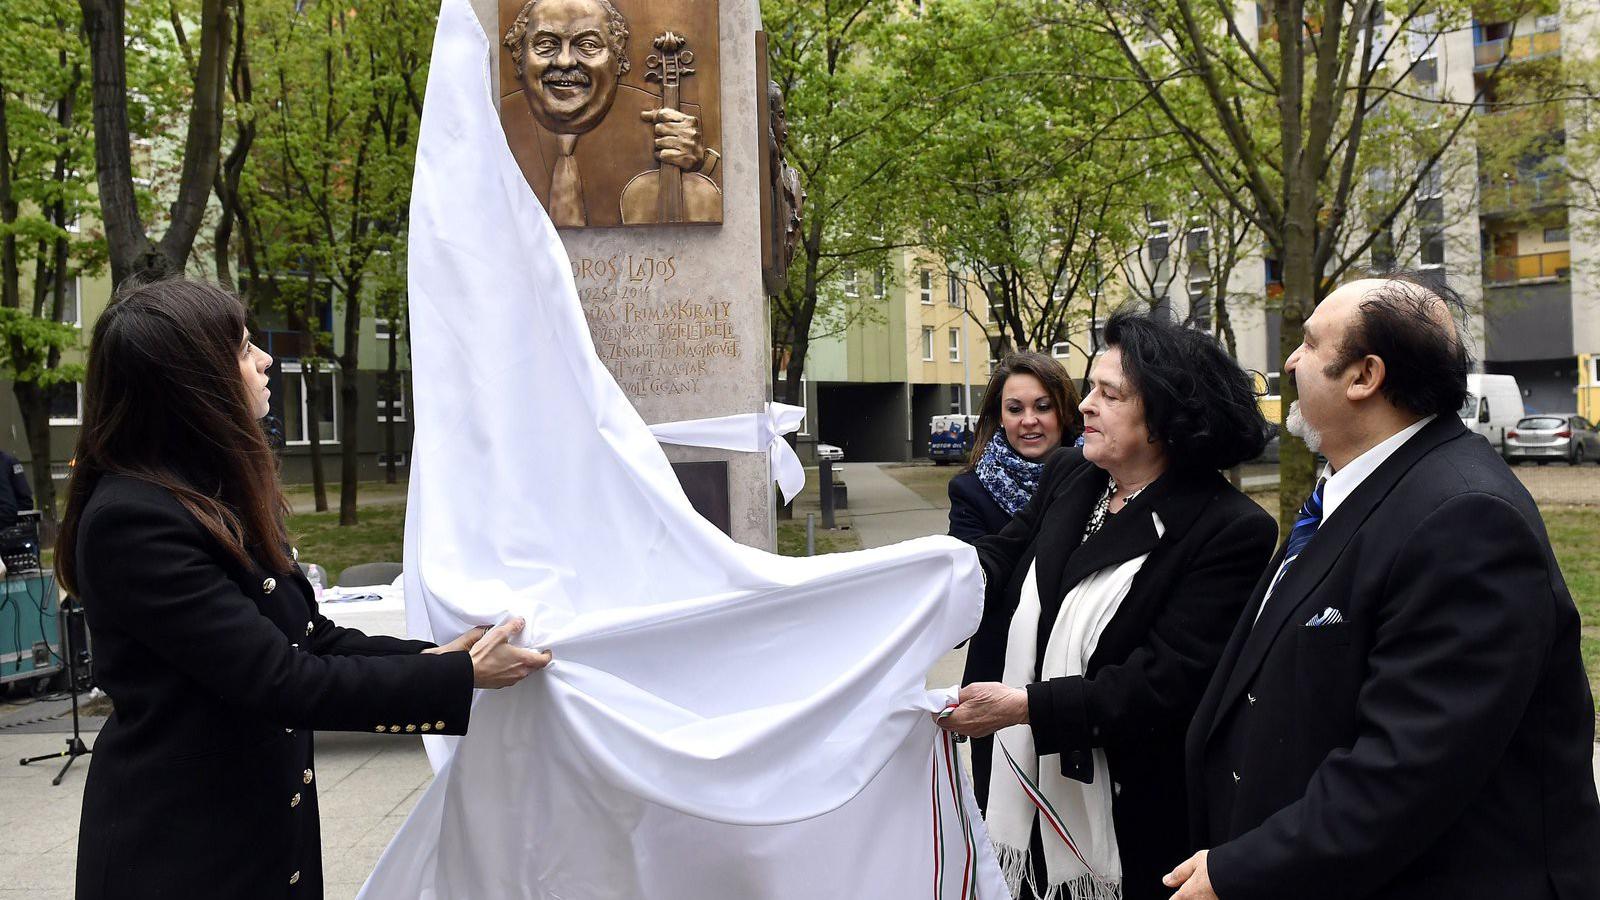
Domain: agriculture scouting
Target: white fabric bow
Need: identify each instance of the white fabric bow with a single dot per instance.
(751, 433)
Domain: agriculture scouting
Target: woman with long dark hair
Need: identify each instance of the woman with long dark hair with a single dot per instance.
(1029, 409)
(206, 635)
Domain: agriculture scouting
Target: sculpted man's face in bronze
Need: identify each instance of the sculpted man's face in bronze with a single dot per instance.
(570, 68)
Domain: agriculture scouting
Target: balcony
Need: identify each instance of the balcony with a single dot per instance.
(1531, 268)
(1524, 193)
(1487, 55)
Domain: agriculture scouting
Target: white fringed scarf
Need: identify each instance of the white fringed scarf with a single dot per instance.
(1082, 861)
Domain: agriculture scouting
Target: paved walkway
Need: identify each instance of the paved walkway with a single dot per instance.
(366, 785)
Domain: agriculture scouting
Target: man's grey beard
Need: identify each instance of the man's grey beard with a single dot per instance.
(1300, 428)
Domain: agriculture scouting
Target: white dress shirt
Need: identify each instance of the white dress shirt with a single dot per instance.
(1340, 485)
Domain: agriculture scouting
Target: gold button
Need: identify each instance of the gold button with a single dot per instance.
(394, 729)
(305, 777)
(295, 878)
(379, 729)
(439, 726)
(288, 731)
(295, 646)
(426, 727)
(270, 585)
(295, 800)
(410, 728)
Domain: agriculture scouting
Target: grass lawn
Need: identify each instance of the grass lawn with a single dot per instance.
(377, 537)
(930, 482)
(792, 538)
(1575, 534)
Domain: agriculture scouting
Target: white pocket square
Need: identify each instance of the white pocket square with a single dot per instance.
(1329, 616)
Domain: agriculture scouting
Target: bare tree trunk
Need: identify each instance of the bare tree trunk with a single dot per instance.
(127, 242)
(302, 320)
(349, 399)
(227, 180)
(392, 373)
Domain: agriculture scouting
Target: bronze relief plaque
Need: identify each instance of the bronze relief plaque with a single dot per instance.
(612, 109)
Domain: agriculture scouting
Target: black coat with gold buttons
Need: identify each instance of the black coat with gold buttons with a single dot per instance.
(202, 782)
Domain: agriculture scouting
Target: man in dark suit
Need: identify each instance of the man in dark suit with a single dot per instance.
(1402, 711)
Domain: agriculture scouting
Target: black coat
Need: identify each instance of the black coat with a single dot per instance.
(1142, 683)
(1434, 744)
(973, 511)
(202, 782)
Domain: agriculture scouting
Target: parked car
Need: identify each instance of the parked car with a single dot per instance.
(829, 452)
(1545, 438)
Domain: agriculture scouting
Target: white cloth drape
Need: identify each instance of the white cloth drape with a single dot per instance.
(719, 722)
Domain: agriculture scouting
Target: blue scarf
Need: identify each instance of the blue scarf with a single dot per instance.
(1006, 475)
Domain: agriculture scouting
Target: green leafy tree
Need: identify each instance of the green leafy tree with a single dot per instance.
(116, 107)
(1280, 115)
(849, 127)
(1029, 177)
(330, 181)
(44, 245)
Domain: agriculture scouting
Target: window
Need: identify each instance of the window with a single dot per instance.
(1200, 305)
(290, 403)
(1431, 184)
(1383, 256)
(1549, 22)
(1431, 210)
(880, 282)
(1274, 384)
(391, 397)
(852, 283)
(1097, 336)
(953, 293)
(1194, 243)
(66, 403)
(927, 343)
(1158, 247)
(1061, 349)
(925, 286)
(72, 302)
(955, 345)
(1594, 371)
(60, 471)
(997, 302)
(399, 459)
(1556, 235)
(1433, 247)
(805, 401)
(384, 327)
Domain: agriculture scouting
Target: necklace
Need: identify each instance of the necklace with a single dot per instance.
(1102, 508)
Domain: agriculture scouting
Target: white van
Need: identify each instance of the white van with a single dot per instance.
(1494, 404)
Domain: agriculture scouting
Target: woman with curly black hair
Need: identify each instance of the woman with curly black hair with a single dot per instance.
(1110, 598)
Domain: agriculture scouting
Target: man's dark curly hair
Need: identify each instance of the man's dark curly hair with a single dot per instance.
(1197, 399)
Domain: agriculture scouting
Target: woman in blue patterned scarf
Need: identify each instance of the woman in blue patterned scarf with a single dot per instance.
(1029, 409)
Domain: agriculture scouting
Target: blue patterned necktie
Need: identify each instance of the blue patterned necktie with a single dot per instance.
(1305, 527)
